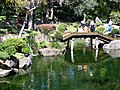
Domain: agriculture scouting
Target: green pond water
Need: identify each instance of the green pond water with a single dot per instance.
(86, 71)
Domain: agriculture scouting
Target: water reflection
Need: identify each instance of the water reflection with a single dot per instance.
(83, 54)
(96, 54)
(58, 73)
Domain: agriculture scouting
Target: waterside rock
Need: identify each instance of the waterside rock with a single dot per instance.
(4, 73)
(49, 52)
(25, 62)
(113, 48)
(113, 45)
(9, 67)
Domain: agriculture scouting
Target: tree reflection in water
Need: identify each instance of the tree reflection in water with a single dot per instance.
(59, 73)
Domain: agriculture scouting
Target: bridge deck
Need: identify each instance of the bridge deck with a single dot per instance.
(69, 35)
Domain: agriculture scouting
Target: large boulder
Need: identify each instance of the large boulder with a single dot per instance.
(114, 53)
(49, 52)
(115, 44)
(113, 48)
(4, 73)
(9, 63)
(25, 62)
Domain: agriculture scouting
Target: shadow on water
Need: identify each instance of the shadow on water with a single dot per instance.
(90, 71)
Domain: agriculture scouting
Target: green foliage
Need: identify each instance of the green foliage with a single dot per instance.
(12, 46)
(4, 55)
(76, 25)
(33, 33)
(100, 29)
(8, 7)
(115, 31)
(72, 28)
(56, 45)
(42, 44)
(62, 27)
(115, 17)
(3, 31)
(58, 35)
(1, 48)
(25, 50)
(32, 43)
(10, 50)
(28, 31)
(80, 6)
(2, 18)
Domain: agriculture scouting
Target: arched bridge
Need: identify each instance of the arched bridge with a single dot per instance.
(70, 35)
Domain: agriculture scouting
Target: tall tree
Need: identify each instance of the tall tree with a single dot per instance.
(79, 7)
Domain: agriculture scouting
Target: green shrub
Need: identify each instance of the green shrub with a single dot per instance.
(3, 31)
(100, 29)
(32, 44)
(76, 25)
(26, 50)
(2, 18)
(28, 30)
(42, 44)
(12, 30)
(1, 48)
(115, 17)
(10, 50)
(4, 55)
(33, 33)
(56, 45)
(58, 35)
(115, 31)
(62, 27)
(11, 46)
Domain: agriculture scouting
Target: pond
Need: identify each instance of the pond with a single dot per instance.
(88, 71)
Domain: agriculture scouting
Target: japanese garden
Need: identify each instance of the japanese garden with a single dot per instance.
(59, 44)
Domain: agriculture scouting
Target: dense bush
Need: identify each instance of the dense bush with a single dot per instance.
(26, 50)
(56, 45)
(31, 43)
(115, 31)
(33, 33)
(100, 29)
(3, 31)
(42, 44)
(115, 17)
(4, 55)
(62, 27)
(12, 46)
(2, 18)
(10, 50)
(58, 36)
(76, 25)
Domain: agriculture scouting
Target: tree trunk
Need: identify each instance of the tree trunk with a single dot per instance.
(30, 23)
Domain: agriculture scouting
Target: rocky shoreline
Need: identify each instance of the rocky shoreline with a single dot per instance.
(13, 65)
